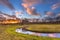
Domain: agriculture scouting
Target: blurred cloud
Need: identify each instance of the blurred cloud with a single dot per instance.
(55, 6)
(25, 5)
(32, 11)
(58, 14)
(29, 3)
(49, 13)
(7, 3)
(18, 13)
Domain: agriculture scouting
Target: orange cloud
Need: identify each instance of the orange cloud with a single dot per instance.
(25, 5)
(29, 3)
(32, 11)
(17, 13)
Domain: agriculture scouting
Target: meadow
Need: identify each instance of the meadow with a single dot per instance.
(7, 32)
(50, 28)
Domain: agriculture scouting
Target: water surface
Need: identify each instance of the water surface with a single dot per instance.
(57, 35)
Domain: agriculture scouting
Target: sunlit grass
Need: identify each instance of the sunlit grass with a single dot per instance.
(44, 27)
(7, 32)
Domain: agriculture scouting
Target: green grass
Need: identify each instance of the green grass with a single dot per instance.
(44, 27)
(7, 32)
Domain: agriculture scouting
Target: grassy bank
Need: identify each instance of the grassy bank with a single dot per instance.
(7, 32)
(44, 27)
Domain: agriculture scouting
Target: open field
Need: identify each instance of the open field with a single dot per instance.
(44, 27)
(7, 32)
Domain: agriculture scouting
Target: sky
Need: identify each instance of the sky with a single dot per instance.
(30, 8)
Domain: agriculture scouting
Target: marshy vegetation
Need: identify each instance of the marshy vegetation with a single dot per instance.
(7, 32)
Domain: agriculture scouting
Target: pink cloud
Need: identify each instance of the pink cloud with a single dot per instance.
(54, 6)
(29, 3)
(32, 11)
(50, 13)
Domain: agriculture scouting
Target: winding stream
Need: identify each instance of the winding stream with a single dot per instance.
(57, 35)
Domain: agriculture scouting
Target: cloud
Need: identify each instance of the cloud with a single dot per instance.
(18, 12)
(32, 11)
(58, 14)
(55, 6)
(25, 5)
(49, 13)
(28, 5)
(31, 2)
(6, 3)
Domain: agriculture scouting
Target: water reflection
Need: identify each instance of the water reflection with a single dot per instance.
(38, 34)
